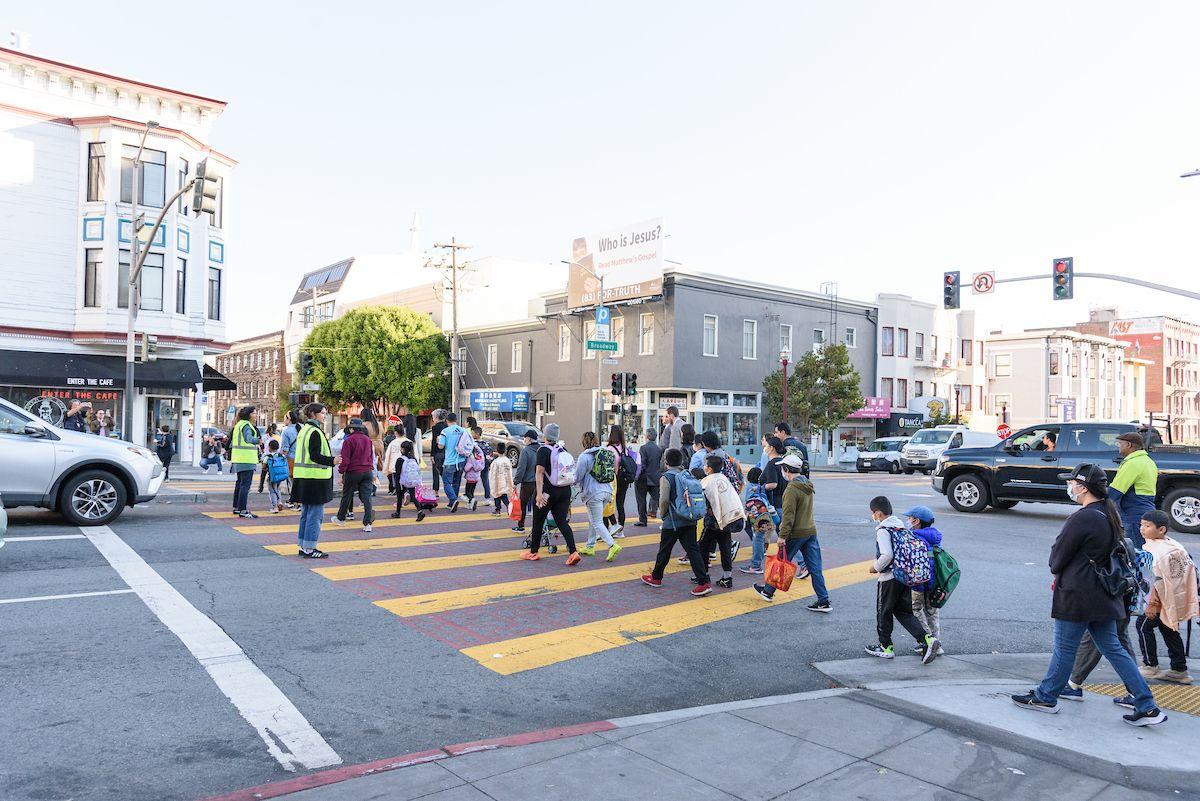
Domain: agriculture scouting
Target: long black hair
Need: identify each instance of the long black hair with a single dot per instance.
(244, 412)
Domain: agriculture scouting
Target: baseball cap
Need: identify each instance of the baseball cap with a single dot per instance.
(530, 434)
(1091, 476)
(1133, 438)
(793, 461)
(922, 513)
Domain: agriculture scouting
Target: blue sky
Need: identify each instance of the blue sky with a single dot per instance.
(872, 143)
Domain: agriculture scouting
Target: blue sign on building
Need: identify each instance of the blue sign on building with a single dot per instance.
(486, 400)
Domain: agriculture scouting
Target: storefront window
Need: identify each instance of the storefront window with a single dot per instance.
(745, 429)
(745, 400)
(51, 404)
(716, 399)
(715, 421)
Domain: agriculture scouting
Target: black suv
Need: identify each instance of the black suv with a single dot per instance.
(1025, 467)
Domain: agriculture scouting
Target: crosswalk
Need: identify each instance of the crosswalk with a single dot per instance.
(460, 579)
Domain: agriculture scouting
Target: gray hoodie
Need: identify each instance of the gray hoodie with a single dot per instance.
(883, 546)
(589, 488)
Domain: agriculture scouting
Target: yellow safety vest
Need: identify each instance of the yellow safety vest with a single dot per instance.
(242, 451)
(304, 467)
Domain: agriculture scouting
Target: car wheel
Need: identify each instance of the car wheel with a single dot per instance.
(908, 471)
(1004, 504)
(514, 455)
(1183, 507)
(894, 468)
(967, 494)
(92, 498)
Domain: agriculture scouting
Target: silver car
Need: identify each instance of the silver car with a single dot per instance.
(88, 479)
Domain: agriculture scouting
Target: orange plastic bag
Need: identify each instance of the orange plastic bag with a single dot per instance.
(778, 571)
(514, 507)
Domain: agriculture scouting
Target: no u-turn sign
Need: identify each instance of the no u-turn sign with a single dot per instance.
(983, 283)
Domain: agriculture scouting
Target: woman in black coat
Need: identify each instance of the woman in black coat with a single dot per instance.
(1081, 603)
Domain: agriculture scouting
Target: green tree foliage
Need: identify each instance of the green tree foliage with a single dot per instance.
(822, 390)
(382, 357)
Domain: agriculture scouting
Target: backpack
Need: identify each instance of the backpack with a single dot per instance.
(562, 466)
(687, 499)
(758, 513)
(277, 468)
(465, 444)
(910, 558)
(945, 577)
(732, 471)
(426, 498)
(475, 462)
(410, 473)
(626, 468)
(603, 466)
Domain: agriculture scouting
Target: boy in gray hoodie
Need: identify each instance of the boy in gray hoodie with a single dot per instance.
(893, 600)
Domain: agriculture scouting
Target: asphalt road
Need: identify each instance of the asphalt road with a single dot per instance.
(99, 699)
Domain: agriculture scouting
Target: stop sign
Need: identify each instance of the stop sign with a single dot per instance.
(1003, 431)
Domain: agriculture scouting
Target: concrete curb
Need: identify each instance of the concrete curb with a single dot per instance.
(180, 496)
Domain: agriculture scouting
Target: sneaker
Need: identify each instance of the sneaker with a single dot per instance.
(276, 511)
(421, 515)
(586, 550)
(919, 649)
(337, 521)
(880, 651)
(683, 560)
(802, 573)
(518, 529)
(248, 516)
(751, 571)
(495, 513)
(700, 590)
(640, 524)
(613, 551)
(454, 507)
(395, 515)
(734, 547)
(1150, 671)
(1072, 692)
(1030, 701)
(574, 559)
(474, 504)
(761, 589)
(530, 556)
(1151, 718)
(820, 606)
(931, 649)
(1177, 676)
(350, 516)
(651, 581)
(725, 583)
(616, 530)
(367, 528)
(1125, 701)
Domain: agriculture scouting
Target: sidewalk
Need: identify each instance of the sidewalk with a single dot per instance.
(896, 731)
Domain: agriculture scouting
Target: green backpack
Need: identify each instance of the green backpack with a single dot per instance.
(604, 466)
(946, 574)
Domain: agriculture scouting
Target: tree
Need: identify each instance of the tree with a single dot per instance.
(822, 390)
(381, 357)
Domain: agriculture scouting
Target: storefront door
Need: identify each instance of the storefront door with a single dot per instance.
(161, 412)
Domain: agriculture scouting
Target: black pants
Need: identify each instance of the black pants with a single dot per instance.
(1145, 629)
(723, 538)
(469, 493)
(439, 462)
(165, 458)
(364, 485)
(402, 493)
(241, 490)
(262, 477)
(685, 536)
(618, 505)
(640, 490)
(893, 601)
(559, 505)
(527, 493)
(500, 500)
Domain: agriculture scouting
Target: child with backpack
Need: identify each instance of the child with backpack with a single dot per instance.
(472, 470)
(920, 521)
(594, 474)
(726, 514)
(1172, 601)
(680, 507)
(896, 549)
(489, 455)
(277, 470)
(407, 471)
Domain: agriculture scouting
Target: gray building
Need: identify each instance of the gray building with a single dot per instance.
(705, 346)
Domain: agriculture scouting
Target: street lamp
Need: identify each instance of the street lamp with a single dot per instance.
(133, 296)
(957, 393)
(785, 356)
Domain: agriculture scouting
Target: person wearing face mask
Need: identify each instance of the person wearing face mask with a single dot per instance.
(1083, 602)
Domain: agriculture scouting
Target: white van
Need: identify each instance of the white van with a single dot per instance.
(882, 454)
(925, 446)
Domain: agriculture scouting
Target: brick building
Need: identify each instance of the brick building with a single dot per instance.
(256, 365)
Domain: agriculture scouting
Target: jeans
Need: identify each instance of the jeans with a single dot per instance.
(276, 499)
(241, 490)
(1146, 627)
(1087, 657)
(1067, 634)
(210, 459)
(640, 490)
(364, 485)
(500, 500)
(806, 551)
(310, 525)
(487, 484)
(596, 525)
(452, 481)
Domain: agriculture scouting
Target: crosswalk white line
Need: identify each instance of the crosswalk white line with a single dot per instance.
(61, 597)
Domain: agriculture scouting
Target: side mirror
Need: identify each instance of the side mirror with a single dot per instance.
(35, 430)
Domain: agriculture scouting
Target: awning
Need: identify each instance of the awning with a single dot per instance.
(89, 370)
(214, 380)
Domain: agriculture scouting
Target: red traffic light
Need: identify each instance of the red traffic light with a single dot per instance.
(1060, 266)
(951, 278)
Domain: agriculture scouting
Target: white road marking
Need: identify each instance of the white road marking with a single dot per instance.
(60, 597)
(288, 735)
(47, 537)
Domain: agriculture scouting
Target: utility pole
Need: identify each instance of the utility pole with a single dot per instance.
(453, 247)
(133, 299)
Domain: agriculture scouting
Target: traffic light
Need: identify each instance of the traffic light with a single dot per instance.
(204, 191)
(952, 287)
(1063, 276)
(631, 384)
(618, 384)
(306, 366)
(151, 341)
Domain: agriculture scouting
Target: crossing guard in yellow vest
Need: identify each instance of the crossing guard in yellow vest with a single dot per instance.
(243, 453)
(312, 479)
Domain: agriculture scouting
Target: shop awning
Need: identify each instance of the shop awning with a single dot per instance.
(89, 370)
(214, 381)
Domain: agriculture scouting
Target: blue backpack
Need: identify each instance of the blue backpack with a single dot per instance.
(277, 468)
(910, 558)
(687, 499)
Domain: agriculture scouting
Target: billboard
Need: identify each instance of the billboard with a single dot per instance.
(629, 260)
(499, 401)
(875, 408)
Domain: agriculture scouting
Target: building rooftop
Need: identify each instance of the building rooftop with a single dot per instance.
(327, 279)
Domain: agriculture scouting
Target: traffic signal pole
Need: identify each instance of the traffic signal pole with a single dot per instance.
(1110, 277)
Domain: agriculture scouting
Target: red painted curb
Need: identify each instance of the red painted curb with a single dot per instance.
(334, 775)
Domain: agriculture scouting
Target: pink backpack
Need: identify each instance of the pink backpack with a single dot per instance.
(425, 495)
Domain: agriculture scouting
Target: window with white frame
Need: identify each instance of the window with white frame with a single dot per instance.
(818, 338)
(93, 263)
(589, 332)
(1002, 365)
(1001, 403)
(710, 335)
(645, 334)
(516, 357)
(785, 338)
(851, 338)
(152, 176)
(492, 350)
(618, 334)
(564, 343)
(749, 339)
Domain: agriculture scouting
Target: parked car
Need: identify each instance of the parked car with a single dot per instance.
(882, 454)
(88, 479)
(927, 445)
(1024, 468)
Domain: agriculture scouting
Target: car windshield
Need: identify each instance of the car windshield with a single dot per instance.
(884, 445)
(518, 429)
(931, 436)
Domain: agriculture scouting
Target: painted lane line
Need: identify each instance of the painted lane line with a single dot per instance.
(407, 522)
(61, 597)
(289, 738)
(411, 541)
(405, 566)
(540, 650)
(47, 537)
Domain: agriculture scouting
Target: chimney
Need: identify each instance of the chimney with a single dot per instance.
(1103, 314)
(20, 40)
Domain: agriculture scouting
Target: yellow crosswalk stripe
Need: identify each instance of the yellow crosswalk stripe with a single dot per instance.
(405, 566)
(408, 520)
(467, 597)
(411, 541)
(232, 516)
(539, 650)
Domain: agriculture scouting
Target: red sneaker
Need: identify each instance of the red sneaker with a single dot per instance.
(651, 581)
(701, 590)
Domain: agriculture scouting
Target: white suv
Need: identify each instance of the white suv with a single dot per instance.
(89, 479)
